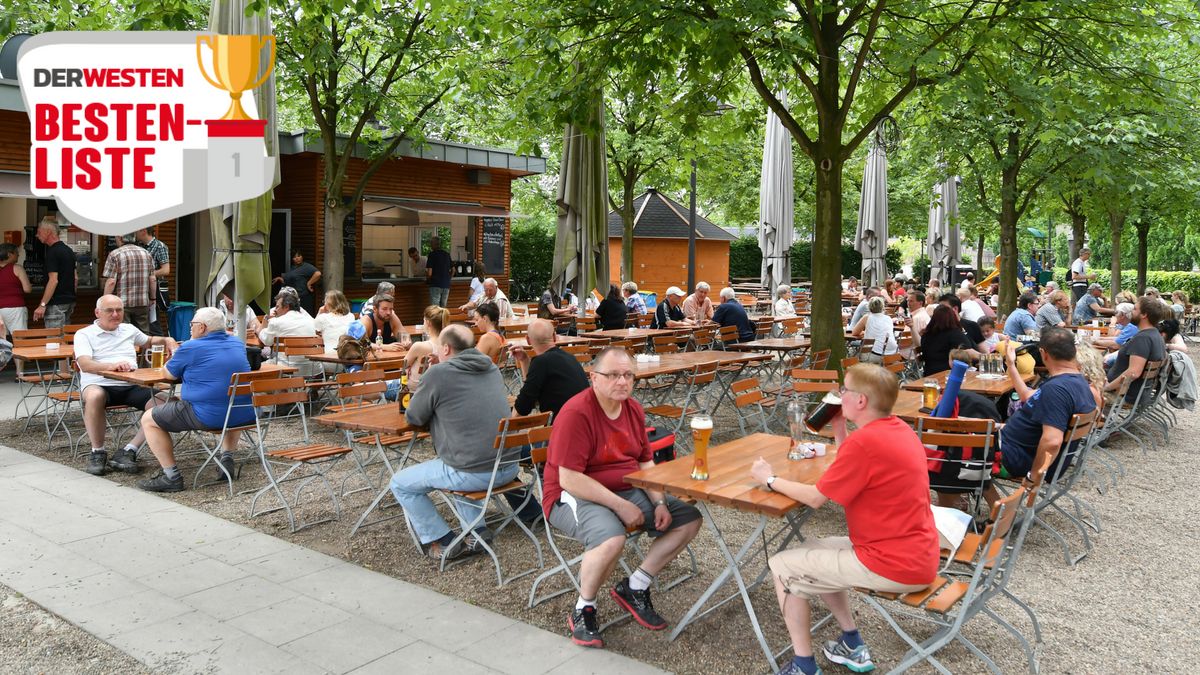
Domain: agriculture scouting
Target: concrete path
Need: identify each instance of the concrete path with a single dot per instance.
(187, 592)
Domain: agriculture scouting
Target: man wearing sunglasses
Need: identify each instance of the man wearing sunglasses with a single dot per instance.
(880, 479)
(599, 438)
(108, 345)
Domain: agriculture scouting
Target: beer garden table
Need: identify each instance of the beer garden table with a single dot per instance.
(47, 379)
(730, 485)
(781, 346)
(626, 334)
(992, 388)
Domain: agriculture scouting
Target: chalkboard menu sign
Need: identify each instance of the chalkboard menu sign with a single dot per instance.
(493, 245)
(349, 242)
(36, 272)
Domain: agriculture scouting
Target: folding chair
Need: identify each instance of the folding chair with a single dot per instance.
(581, 352)
(791, 327)
(726, 335)
(239, 385)
(747, 402)
(965, 449)
(665, 344)
(645, 320)
(308, 461)
(631, 319)
(585, 324)
(808, 388)
(565, 566)
(699, 385)
(819, 360)
(702, 338)
(595, 346)
(1062, 477)
(45, 379)
(763, 327)
(895, 364)
(513, 434)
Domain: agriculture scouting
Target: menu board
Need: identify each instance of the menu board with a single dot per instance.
(349, 242)
(493, 245)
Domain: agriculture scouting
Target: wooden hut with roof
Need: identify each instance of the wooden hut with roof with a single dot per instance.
(660, 246)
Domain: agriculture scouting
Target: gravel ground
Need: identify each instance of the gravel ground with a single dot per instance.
(34, 641)
(1130, 592)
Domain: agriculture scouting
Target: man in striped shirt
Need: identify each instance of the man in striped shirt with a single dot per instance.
(162, 267)
(129, 274)
(633, 300)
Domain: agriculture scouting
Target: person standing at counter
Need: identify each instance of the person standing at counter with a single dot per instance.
(14, 284)
(438, 270)
(419, 263)
(301, 277)
(162, 267)
(58, 300)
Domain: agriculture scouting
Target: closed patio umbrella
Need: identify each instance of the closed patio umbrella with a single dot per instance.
(776, 208)
(581, 238)
(872, 235)
(944, 246)
(246, 225)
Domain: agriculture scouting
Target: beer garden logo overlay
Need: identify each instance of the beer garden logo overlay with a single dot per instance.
(130, 129)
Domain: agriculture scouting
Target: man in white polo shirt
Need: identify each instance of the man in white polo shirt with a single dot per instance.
(104, 346)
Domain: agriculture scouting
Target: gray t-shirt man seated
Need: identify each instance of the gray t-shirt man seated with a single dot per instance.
(462, 399)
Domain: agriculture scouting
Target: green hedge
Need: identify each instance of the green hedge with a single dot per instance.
(745, 259)
(531, 259)
(1165, 282)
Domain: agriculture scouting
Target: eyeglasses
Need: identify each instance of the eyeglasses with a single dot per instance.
(117, 310)
(614, 376)
(843, 391)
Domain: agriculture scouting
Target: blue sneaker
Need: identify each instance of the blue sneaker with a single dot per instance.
(790, 668)
(857, 659)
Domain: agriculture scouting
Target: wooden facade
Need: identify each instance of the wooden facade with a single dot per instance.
(659, 264)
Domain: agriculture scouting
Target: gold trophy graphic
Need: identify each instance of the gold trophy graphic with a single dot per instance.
(237, 159)
(235, 66)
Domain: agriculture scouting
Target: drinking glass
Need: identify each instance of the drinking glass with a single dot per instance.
(701, 433)
(156, 356)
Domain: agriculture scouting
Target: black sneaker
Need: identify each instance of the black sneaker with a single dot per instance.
(638, 604)
(98, 463)
(161, 483)
(585, 629)
(124, 460)
(464, 549)
(230, 467)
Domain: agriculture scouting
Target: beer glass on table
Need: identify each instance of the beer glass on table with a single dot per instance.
(157, 352)
(795, 411)
(701, 433)
(929, 394)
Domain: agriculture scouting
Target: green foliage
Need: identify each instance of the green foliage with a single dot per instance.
(1165, 282)
(892, 260)
(745, 259)
(531, 259)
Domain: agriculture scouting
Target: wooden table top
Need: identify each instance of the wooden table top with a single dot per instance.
(672, 363)
(151, 376)
(516, 322)
(384, 418)
(972, 382)
(625, 333)
(42, 354)
(773, 344)
(377, 355)
(729, 482)
(523, 341)
(908, 406)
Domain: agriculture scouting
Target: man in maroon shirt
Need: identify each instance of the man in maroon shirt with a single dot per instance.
(599, 438)
(880, 479)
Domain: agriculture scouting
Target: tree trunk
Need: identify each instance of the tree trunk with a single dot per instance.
(1143, 231)
(826, 321)
(333, 273)
(979, 260)
(1078, 229)
(1010, 288)
(1116, 224)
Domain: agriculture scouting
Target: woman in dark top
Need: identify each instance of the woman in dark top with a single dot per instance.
(301, 277)
(943, 333)
(612, 311)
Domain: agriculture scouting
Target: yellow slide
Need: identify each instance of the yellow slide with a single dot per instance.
(983, 285)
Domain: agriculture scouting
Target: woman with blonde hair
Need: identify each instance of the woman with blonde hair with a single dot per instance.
(436, 318)
(332, 320)
(1091, 366)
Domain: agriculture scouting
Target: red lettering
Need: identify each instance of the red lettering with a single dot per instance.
(144, 121)
(94, 77)
(170, 124)
(142, 73)
(45, 122)
(140, 169)
(69, 122)
(159, 77)
(118, 166)
(40, 175)
(175, 77)
(113, 77)
(99, 129)
(86, 159)
(121, 111)
(65, 169)
(127, 77)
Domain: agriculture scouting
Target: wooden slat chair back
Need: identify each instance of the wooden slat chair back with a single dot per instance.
(644, 320)
(699, 384)
(895, 363)
(71, 329)
(585, 324)
(210, 441)
(514, 332)
(512, 434)
(726, 335)
(850, 361)
(702, 338)
(50, 334)
(763, 327)
(597, 345)
(631, 319)
(665, 344)
(967, 447)
(748, 402)
(562, 323)
(459, 317)
(304, 461)
(819, 360)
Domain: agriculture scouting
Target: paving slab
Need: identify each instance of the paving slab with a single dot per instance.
(187, 592)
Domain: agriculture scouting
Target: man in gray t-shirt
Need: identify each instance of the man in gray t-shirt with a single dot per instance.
(1146, 346)
(1090, 305)
(1054, 312)
(861, 310)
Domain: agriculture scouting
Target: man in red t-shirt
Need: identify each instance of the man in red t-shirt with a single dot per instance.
(880, 479)
(599, 438)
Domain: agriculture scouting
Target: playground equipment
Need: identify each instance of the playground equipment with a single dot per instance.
(987, 281)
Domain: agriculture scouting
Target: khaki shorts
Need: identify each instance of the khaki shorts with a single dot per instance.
(828, 566)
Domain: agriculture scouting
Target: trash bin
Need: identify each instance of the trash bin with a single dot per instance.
(179, 316)
(650, 298)
(357, 305)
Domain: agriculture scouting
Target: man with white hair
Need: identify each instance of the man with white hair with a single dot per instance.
(129, 274)
(58, 300)
(731, 313)
(384, 288)
(861, 310)
(784, 308)
(492, 294)
(206, 363)
(633, 300)
(108, 345)
(698, 306)
(1123, 313)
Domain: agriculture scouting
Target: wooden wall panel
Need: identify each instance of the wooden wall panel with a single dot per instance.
(661, 263)
(14, 141)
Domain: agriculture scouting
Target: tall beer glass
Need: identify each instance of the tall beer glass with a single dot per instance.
(156, 357)
(701, 431)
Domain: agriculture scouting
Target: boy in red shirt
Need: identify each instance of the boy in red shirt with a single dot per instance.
(599, 437)
(880, 478)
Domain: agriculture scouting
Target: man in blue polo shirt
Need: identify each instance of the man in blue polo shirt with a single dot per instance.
(206, 364)
(1021, 321)
(731, 313)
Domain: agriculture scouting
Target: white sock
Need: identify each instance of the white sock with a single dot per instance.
(581, 603)
(130, 447)
(640, 580)
(97, 449)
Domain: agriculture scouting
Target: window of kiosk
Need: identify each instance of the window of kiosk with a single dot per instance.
(388, 231)
(19, 218)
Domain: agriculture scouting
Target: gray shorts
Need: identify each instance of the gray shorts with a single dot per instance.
(177, 416)
(591, 524)
(58, 316)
